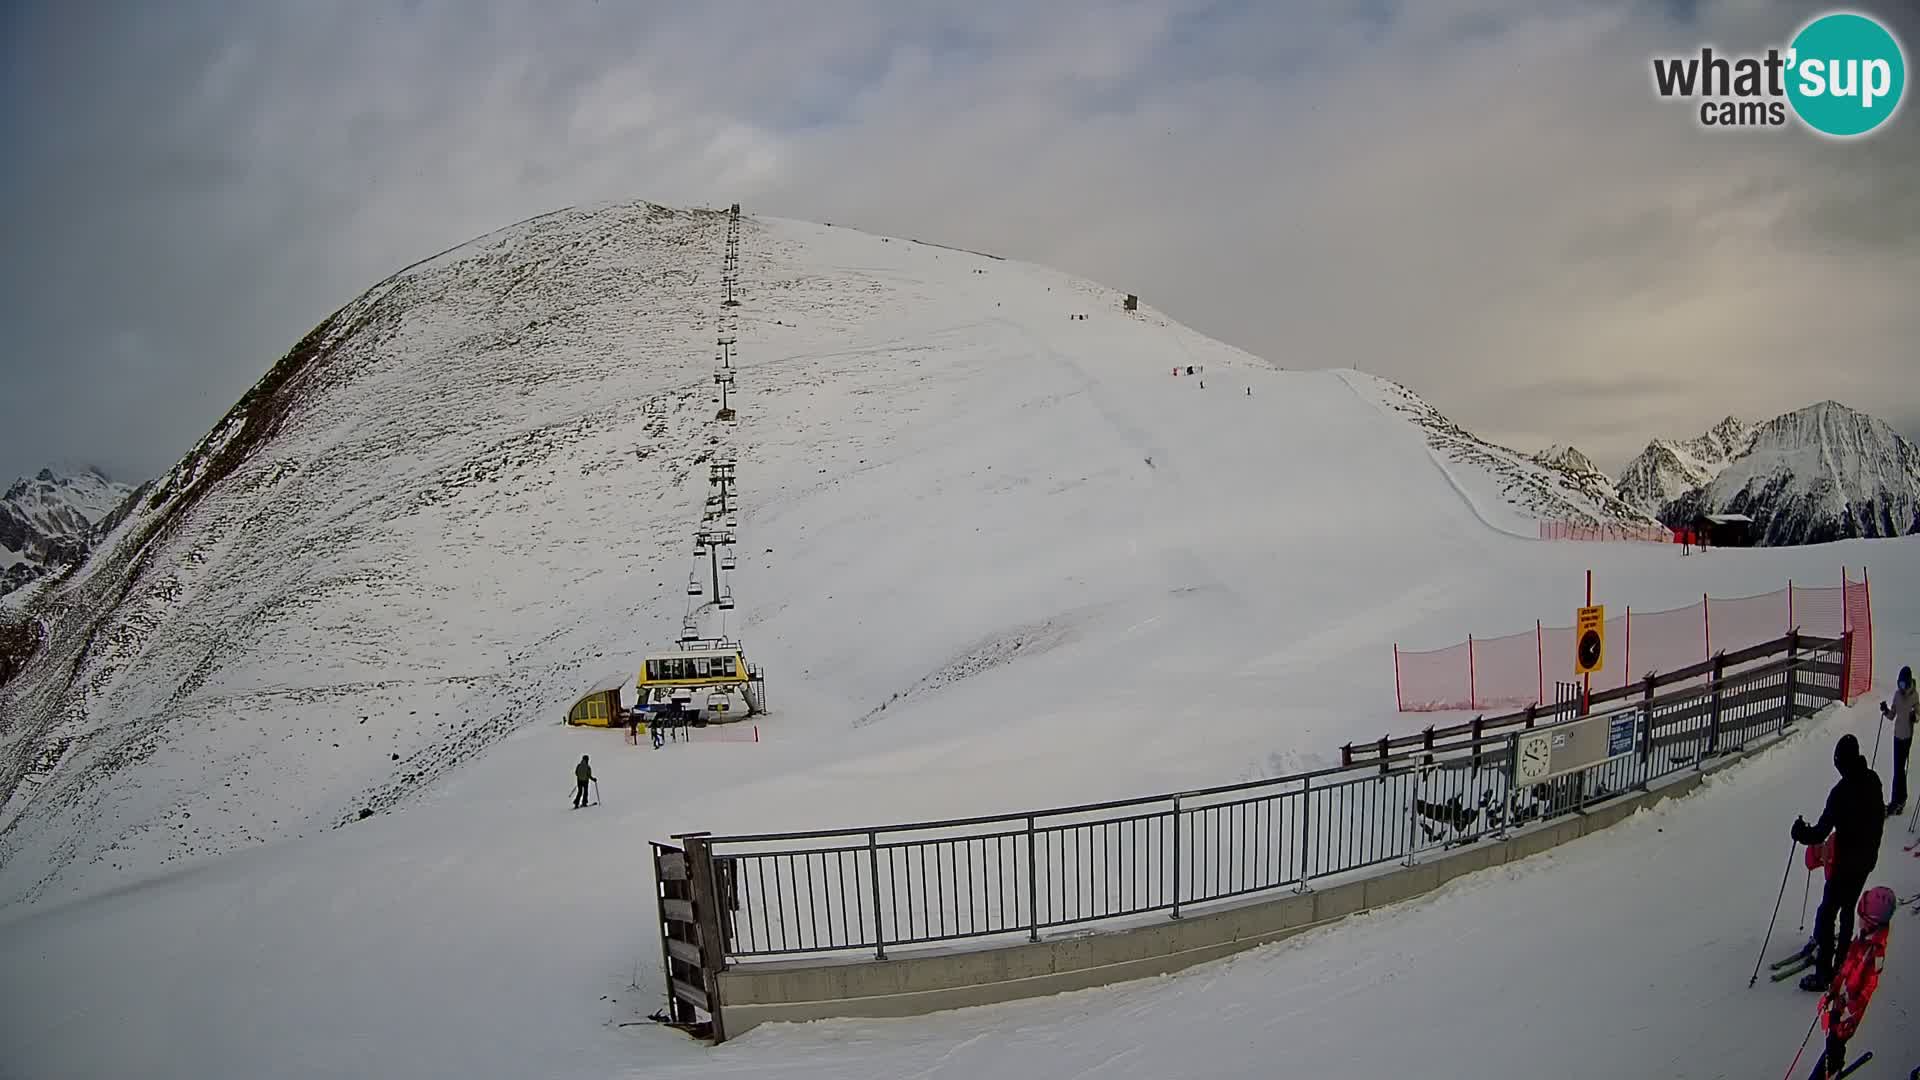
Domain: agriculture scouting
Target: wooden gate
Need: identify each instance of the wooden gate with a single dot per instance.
(692, 951)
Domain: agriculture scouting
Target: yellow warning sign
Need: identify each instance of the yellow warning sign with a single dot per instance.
(1590, 640)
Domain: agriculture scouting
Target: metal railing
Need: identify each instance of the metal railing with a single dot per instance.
(910, 884)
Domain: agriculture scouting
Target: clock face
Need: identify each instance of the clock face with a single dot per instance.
(1534, 753)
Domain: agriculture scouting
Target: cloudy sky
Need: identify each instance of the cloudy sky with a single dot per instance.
(1480, 198)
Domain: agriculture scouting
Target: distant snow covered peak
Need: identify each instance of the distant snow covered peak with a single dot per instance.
(48, 520)
(1821, 472)
(1567, 458)
(1667, 469)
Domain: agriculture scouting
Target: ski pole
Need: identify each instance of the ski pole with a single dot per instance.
(1879, 729)
(1804, 894)
(1794, 846)
(1803, 1043)
(596, 789)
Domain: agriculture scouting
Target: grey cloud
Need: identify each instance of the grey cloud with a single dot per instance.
(1480, 198)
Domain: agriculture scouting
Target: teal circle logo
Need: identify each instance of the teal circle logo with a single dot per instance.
(1847, 74)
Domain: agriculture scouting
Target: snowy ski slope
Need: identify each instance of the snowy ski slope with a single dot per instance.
(1064, 572)
(481, 492)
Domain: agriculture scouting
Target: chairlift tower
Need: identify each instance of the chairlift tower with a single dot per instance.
(720, 477)
(708, 543)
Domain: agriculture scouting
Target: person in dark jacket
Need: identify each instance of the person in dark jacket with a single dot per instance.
(582, 776)
(1901, 711)
(1854, 816)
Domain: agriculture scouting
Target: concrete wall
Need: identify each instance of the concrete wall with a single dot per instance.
(928, 981)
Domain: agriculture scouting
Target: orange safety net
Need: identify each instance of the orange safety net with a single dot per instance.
(1520, 669)
(1612, 531)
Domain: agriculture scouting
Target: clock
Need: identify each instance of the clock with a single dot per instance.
(1533, 754)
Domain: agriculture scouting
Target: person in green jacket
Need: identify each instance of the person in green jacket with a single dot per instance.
(582, 775)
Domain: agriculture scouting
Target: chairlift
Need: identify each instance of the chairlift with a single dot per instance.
(700, 547)
(693, 586)
(726, 600)
(727, 561)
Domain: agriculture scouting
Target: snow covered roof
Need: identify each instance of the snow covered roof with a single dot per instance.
(614, 681)
(1729, 519)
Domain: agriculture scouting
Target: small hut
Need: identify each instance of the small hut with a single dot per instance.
(1132, 303)
(600, 706)
(1723, 530)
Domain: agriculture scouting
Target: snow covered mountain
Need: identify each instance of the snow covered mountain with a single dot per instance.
(1822, 473)
(1556, 485)
(1568, 458)
(462, 498)
(47, 521)
(1667, 469)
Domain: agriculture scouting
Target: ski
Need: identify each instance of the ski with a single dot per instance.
(1805, 954)
(1794, 967)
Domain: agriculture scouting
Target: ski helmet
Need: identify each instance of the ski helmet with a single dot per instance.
(1876, 907)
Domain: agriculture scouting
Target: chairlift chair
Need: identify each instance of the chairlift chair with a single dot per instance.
(726, 600)
(727, 561)
(693, 585)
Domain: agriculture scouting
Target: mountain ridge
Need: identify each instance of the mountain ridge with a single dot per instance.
(49, 521)
(1819, 473)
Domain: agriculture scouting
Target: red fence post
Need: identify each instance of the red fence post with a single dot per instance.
(1866, 593)
(1399, 703)
(1846, 631)
(1473, 687)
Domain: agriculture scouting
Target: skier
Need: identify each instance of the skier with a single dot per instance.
(633, 727)
(1852, 988)
(1901, 711)
(583, 775)
(1855, 817)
